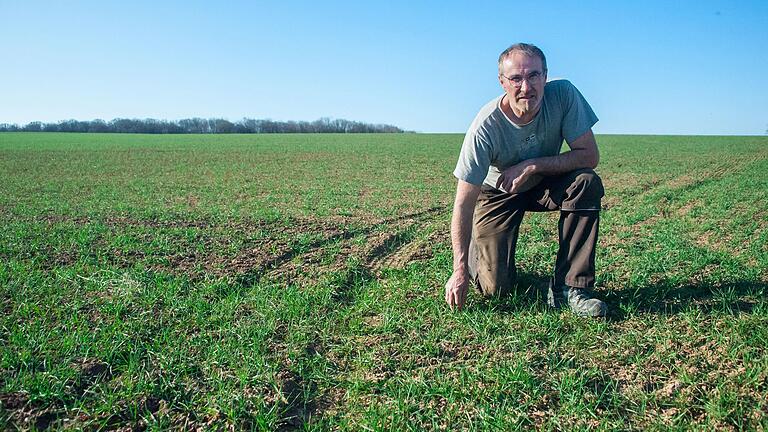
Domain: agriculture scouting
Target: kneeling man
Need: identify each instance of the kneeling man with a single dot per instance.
(511, 163)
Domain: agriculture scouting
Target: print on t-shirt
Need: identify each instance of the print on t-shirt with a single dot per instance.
(529, 146)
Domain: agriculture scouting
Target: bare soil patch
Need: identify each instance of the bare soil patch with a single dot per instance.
(413, 251)
(687, 207)
(91, 371)
(290, 400)
(25, 414)
(683, 181)
(13, 401)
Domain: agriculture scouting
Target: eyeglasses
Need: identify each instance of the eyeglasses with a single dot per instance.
(533, 78)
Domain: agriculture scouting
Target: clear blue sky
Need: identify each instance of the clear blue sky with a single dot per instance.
(654, 67)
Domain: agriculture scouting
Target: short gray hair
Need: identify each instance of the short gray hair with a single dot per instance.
(528, 49)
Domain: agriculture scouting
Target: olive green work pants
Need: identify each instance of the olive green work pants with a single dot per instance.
(496, 225)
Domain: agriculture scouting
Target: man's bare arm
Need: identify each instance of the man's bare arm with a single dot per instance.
(461, 231)
(583, 154)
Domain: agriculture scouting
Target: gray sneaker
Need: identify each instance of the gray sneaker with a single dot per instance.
(578, 299)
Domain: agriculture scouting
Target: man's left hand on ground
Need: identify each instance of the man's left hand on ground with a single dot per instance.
(456, 290)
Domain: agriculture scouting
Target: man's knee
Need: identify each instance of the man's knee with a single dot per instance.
(585, 191)
(495, 283)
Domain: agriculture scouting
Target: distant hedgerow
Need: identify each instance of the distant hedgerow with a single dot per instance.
(203, 126)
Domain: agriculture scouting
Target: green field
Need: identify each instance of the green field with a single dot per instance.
(296, 282)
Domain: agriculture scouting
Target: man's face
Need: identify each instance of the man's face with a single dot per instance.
(523, 80)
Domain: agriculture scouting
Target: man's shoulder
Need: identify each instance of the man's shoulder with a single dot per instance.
(564, 102)
(558, 86)
(489, 109)
(487, 115)
(559, 93)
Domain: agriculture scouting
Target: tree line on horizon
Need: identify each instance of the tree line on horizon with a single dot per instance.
(202, 126)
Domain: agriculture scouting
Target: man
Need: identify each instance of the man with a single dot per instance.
(510, 162)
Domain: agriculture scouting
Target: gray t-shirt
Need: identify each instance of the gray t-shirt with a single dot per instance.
(493, 143)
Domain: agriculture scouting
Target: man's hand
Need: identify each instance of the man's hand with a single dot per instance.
(518, 178)
(461, 232)
(456, 289)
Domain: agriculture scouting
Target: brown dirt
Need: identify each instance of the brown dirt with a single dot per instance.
(620, 181)
(381, 249)
(687, 207)
(332, 402)
(24, 414)
(610, 202)
(91, 371)
(288, 397)
(60, 259)
(373, 321)
(683, 181)
(13, 401)
(417, 250)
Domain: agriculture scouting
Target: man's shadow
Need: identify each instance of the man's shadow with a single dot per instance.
(667, 297)
(663, 297)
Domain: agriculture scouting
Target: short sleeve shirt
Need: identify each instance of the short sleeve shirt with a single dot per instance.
(494, 143)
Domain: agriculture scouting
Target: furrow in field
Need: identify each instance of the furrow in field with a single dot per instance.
(633, 190)
(668, 201)
(295, 250)
(386, 244)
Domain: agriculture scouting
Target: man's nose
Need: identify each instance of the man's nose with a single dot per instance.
(524, 85)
